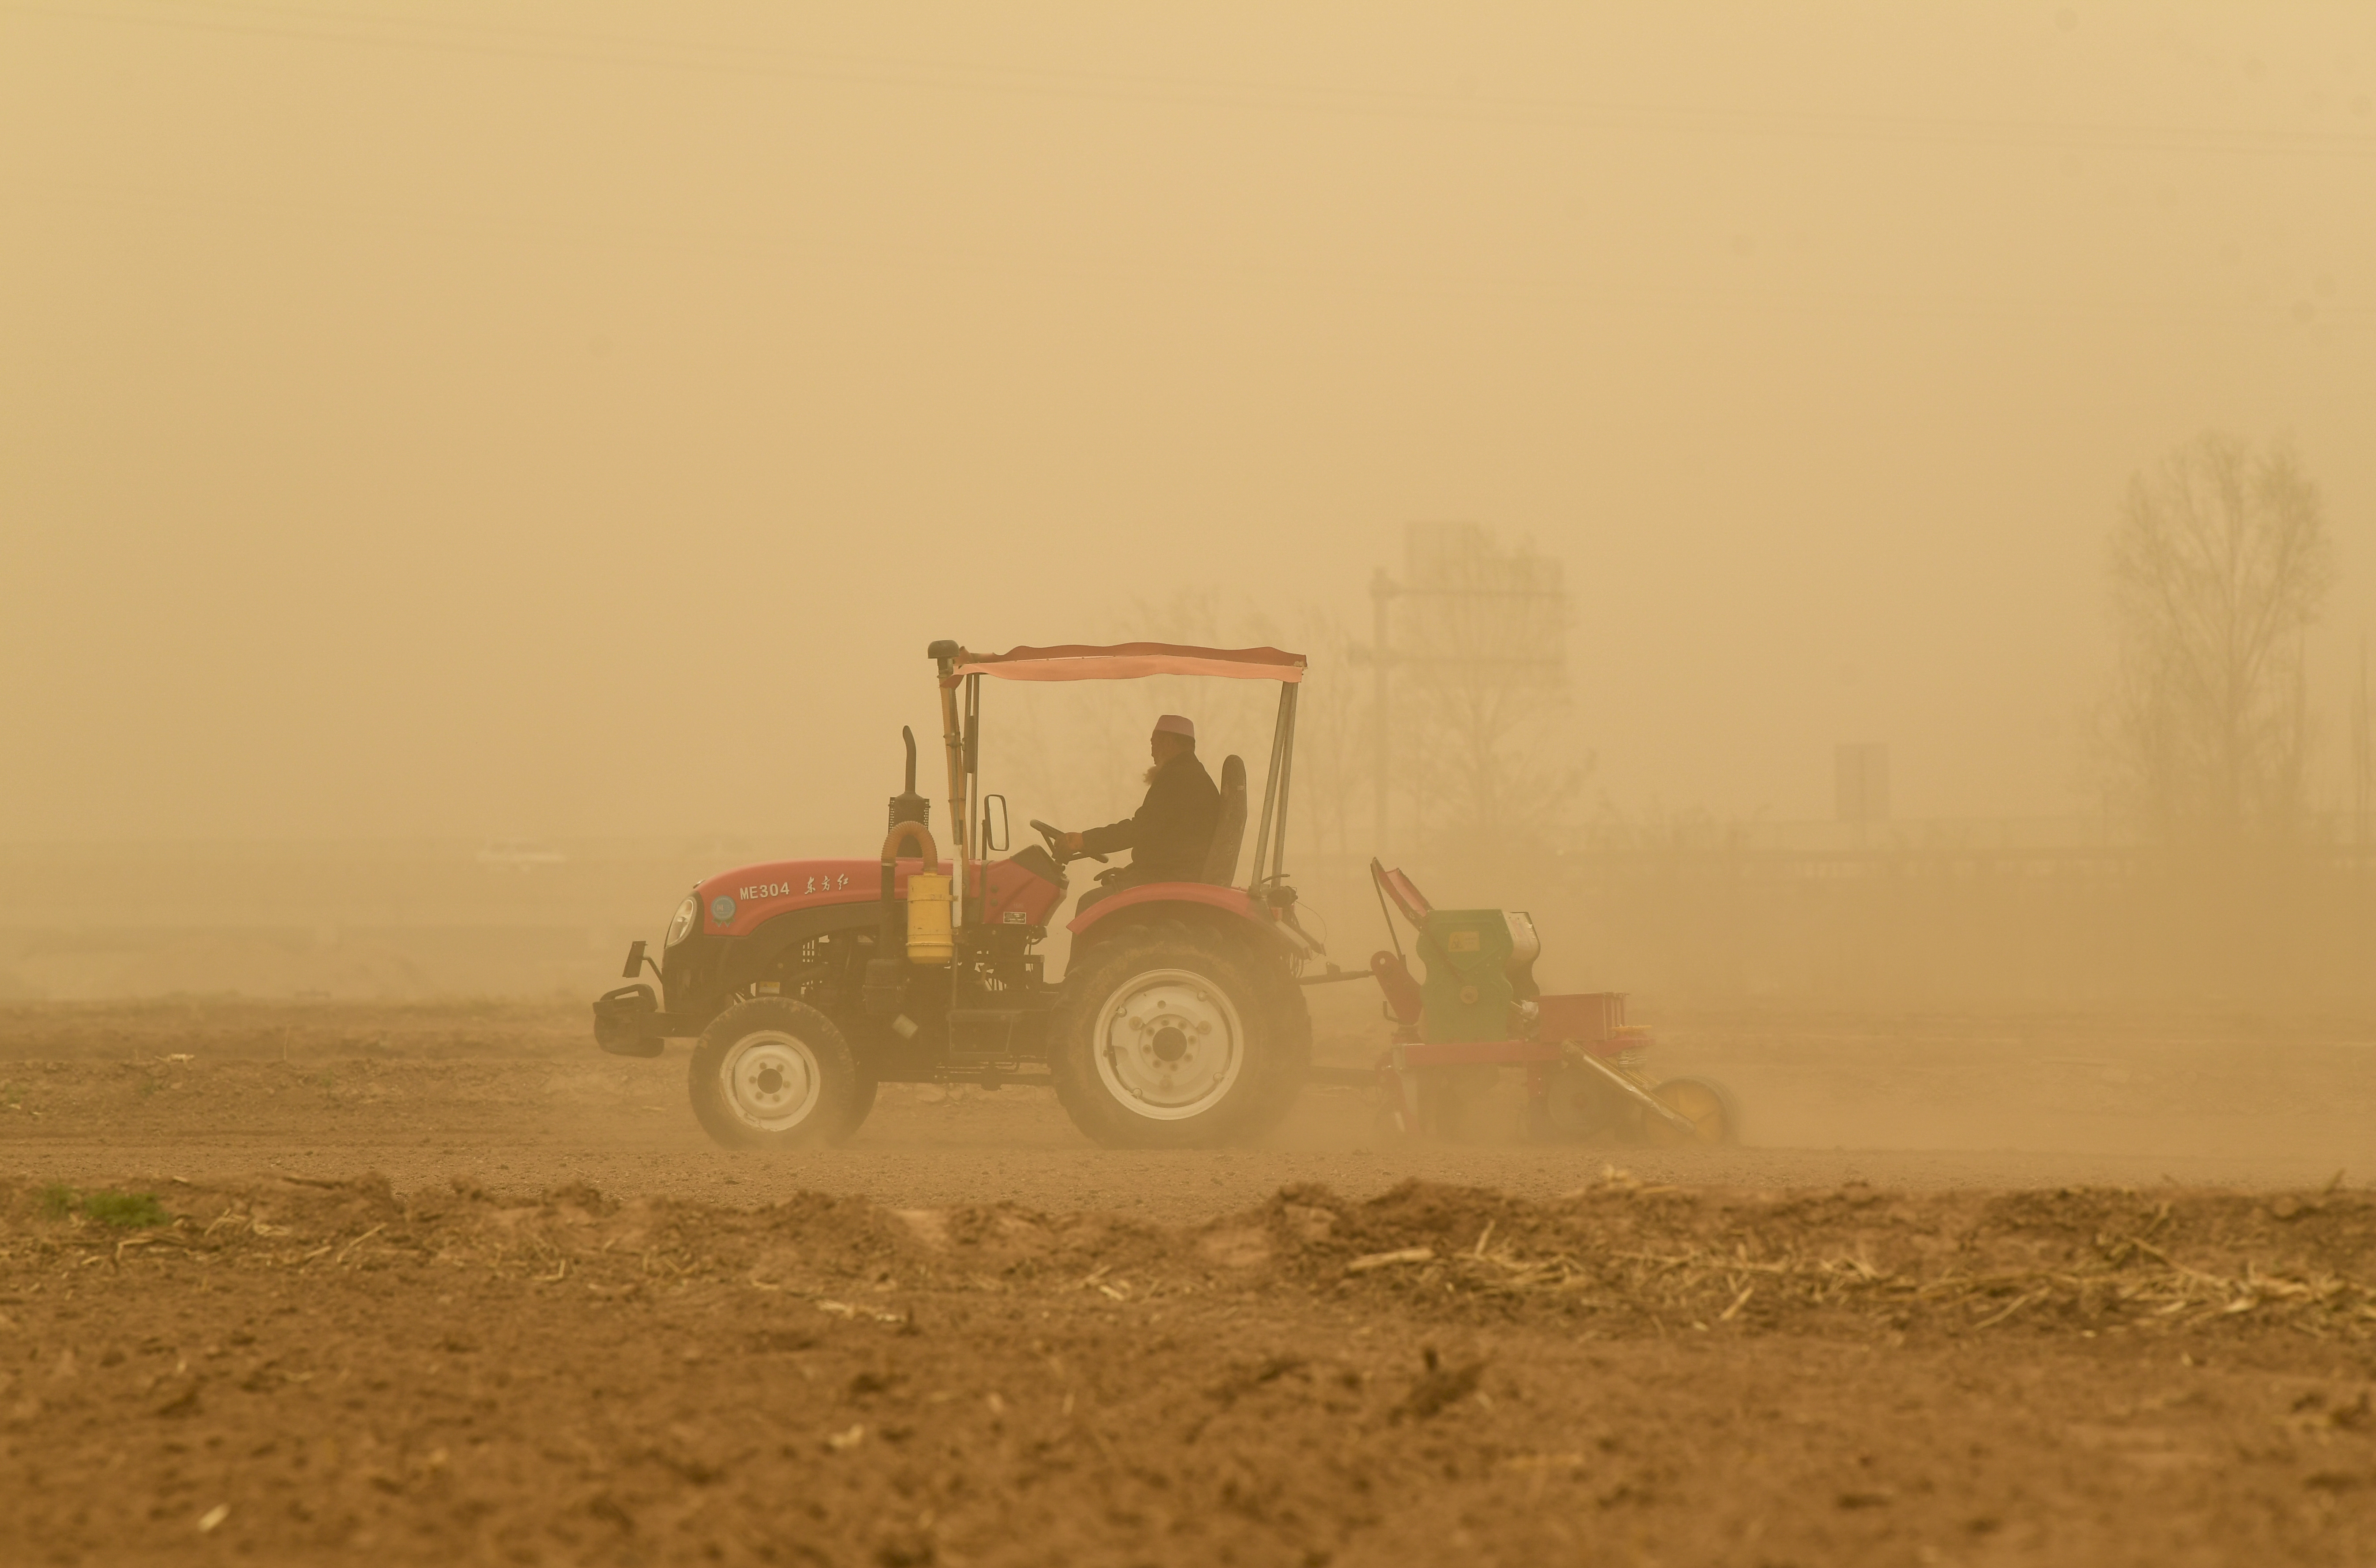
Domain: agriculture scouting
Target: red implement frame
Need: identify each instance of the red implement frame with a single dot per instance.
(1595, 1020)
(1400, 1063)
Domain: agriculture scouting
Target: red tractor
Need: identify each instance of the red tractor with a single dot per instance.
(1178, 1022)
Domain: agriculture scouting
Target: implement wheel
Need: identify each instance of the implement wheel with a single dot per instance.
(1714, 1116)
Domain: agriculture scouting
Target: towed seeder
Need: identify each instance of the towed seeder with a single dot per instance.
(1476, 1010)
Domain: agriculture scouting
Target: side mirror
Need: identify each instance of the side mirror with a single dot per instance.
(993, 824)
(635, 962)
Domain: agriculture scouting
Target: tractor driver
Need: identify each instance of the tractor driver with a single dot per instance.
(1172, 833)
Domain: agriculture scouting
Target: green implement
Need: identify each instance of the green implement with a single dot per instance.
(1480, 966)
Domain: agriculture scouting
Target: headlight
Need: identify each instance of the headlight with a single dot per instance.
(687, 913)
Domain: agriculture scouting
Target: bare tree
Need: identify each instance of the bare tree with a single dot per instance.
(1479, 654)
(2363, 758)
(2220, 566)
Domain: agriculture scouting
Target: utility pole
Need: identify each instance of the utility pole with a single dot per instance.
(1382, 594)
(2363, 767)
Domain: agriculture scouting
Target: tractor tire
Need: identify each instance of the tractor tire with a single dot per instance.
(771, 1073)
(1175, 1037)
(1290, 1020)
(862, 1100)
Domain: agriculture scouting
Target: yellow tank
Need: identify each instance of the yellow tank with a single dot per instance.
(928, 919)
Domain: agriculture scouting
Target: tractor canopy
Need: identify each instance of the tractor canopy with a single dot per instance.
(1127, 661)
(961, 670)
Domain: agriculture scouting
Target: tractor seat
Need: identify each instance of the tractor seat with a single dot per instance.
(1230, 828)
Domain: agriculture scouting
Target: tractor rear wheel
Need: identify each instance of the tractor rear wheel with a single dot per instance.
(1175, 1037)
(771, 1073)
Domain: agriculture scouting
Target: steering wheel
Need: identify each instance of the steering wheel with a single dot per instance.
(1055, 836)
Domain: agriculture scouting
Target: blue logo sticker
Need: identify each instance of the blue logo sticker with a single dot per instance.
(721, 909)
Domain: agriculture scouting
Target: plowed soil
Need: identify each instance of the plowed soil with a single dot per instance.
(442, 1284)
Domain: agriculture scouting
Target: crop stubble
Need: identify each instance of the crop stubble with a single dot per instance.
(1633, 1372)
(720, 1359)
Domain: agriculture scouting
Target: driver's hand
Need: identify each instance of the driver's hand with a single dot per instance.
(1072, 842)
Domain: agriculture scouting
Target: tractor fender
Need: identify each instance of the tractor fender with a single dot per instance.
(1228, 910)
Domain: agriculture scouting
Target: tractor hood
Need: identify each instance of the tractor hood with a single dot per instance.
(734, 903)
(1022, 890)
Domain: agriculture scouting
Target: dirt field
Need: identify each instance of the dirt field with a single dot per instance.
(1980, 1290)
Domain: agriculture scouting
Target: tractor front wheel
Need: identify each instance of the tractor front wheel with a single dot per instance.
(1174, 1037)
(770, 1073)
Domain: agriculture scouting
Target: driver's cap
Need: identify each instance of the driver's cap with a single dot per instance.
(1174, 724)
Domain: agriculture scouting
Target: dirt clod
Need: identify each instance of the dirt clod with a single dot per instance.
(1439, 1386)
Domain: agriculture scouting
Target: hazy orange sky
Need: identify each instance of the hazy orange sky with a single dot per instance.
(561, 419)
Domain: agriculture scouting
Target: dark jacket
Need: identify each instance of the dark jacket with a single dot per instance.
(1172, 833)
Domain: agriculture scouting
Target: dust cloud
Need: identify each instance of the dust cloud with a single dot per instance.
(1858, 518)
(425, 423)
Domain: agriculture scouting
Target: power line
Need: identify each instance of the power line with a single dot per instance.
(1578, 289)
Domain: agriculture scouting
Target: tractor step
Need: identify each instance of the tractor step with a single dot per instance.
(991, 1039)
(1001, 1076)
